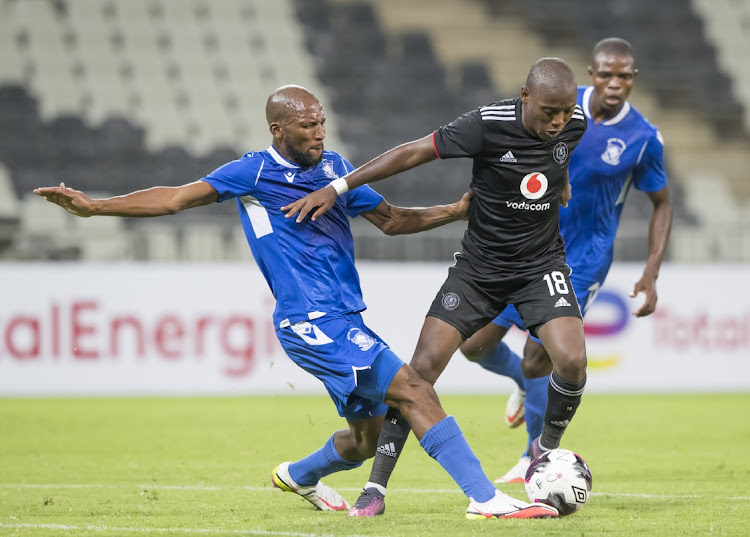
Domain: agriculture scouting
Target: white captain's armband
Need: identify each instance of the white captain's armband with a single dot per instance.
(340, 185)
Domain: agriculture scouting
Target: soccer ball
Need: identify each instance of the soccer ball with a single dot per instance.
(559, 478)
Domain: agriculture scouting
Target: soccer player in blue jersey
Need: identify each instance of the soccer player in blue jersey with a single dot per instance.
(619, 150)
(309, 267)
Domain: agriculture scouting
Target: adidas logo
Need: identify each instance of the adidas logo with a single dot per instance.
(562, 302)
(388, 450)
(508, 157)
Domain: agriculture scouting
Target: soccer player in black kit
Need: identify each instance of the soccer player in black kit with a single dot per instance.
(512, 252)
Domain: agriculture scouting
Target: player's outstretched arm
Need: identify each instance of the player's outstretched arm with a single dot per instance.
(393, 220)
(658, 237)
(396, 160)
(157, 201)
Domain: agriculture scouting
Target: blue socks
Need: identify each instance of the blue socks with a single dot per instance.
(536, 402)
(504, 361)
(445, 443)
(308, 471)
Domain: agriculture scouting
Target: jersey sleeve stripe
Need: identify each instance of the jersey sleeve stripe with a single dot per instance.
(500, 107)
(434, 145)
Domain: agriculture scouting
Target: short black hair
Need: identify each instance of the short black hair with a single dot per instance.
(551, 73)
(613, 45)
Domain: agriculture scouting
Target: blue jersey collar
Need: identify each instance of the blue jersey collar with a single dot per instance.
(587, 101)
(279, 159)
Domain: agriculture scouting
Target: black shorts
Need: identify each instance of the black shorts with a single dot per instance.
(468, 301)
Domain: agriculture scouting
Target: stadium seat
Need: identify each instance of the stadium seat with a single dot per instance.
(9, 211)
(156, 241)
(102, 239)
(202, 241)
(45, 233)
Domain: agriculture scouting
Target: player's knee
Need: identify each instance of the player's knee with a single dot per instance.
(571, 365)
(535, 368)
(409, 389)
(474, 352)
(536, 362)
(425, 369)
(420, 391)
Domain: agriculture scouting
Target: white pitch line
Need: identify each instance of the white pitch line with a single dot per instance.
(198, 531)
(345, 489)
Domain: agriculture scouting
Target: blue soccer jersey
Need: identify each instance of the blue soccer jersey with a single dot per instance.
(308, 266)
(612, 156)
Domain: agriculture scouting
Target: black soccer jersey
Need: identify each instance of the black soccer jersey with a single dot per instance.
(517, 179)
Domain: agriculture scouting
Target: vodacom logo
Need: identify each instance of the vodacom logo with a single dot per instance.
(534, 185)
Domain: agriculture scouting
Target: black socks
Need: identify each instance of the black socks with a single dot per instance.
(564, 398)
(391, 442)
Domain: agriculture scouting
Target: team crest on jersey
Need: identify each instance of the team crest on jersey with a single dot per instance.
(360, 339)
(450, 301)
(615, 148)
(327, 166)
(534, 185)
(560, 153)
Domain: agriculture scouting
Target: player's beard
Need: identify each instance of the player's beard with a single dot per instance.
(303, 159)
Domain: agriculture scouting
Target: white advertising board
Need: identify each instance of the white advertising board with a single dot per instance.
(192, 329)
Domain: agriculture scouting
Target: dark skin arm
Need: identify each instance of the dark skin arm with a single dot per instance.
(157, 201)
(397, 160)
(567, 191)
(658, 237)
(393, 220)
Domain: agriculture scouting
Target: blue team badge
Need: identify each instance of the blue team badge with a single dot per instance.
(327, 166)
(615, 148)
(359, 338)
(450, 301)
(560, 153)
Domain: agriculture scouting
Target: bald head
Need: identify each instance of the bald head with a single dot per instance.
(551, 75)
(289, 102)
(548, 98)
(297, 124)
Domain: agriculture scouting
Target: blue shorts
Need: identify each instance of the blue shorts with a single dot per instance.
(585, 287)
(351, 361)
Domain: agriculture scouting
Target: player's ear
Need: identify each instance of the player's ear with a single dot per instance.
(524, 94)
(276, 130)
(590, 70)
(635, 73)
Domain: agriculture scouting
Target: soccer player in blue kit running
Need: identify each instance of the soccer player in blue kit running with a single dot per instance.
(512, 252)
(309, 266)
(619, 150)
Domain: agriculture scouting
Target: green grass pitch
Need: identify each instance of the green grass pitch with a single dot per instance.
(668, 465)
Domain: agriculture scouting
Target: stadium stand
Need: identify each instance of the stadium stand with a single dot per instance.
(727, 24)
(9, 217)
(677, 89)
(144, 92)
(138, 93)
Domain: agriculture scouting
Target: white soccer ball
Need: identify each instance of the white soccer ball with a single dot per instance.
(559, 478)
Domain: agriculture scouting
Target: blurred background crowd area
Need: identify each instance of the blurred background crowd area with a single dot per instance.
(115, 95)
